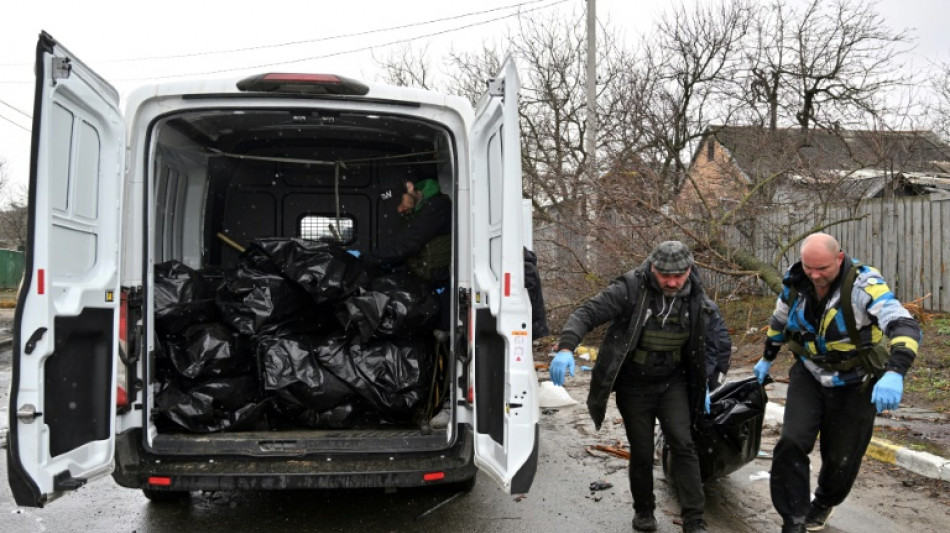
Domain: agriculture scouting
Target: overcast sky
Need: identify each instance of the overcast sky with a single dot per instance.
(130, 43)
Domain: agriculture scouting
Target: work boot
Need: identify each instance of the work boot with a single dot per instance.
(695, 526)
(818, 515)
(794, 525)
(644, 522)
(441, 419)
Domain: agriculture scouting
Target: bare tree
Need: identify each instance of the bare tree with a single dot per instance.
(691, 56)
(828, 64)
(939, 110)
(407, 67)
(13, 215)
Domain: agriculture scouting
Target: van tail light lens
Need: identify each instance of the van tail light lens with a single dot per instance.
(160, 481)
(278, 82)
(122, 385)
(433, 476)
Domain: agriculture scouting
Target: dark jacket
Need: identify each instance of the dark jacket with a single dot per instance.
(624, 302)
(718, 342)
(532, 282)
(407, 238)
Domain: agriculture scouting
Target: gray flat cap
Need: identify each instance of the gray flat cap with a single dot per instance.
(671, 257)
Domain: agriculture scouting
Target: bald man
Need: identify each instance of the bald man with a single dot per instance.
(834, 390)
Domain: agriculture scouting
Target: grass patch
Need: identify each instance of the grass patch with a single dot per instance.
(908, 439)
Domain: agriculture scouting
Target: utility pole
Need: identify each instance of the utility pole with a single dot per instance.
(591, 140)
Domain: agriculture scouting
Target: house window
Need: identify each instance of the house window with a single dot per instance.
(710, 150)
(326, 228)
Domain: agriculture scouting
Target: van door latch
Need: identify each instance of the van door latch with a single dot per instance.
(496, 86)
(34, 338)
(27, 413)
(61, 68)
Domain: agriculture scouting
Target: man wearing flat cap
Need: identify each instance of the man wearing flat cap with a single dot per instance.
(653, 357)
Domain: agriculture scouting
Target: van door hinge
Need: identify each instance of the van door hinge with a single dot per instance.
(27, 413)
(496, 86)
(61, 68)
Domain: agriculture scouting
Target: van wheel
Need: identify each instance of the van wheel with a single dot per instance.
(165, 496)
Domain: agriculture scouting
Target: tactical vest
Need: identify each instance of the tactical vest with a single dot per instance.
(873, 358)
(435, 256)
(661, 343)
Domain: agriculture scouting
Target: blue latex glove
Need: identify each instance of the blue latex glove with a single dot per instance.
(761, 370)
(564, 360)
(707, 399)
(887, 391)
(354, 253)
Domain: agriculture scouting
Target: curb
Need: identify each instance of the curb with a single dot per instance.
(921, 463)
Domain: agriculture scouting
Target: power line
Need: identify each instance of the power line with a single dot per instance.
(309, 41)
(24, 128)
(334, 54)
(25, 114)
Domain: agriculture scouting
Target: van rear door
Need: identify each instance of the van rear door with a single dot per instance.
(62, 401)
(506, 412)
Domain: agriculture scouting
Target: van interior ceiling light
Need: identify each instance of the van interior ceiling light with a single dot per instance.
(330, 84)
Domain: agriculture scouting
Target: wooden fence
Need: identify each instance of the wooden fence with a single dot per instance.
(907, 239)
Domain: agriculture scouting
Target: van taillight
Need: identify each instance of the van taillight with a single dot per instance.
(121, 387)
(279, 82)
(160, 481)
(433, 476)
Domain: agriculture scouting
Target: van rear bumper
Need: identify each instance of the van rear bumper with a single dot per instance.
(134, 467)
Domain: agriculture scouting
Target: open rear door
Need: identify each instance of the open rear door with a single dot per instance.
(62, 405)
(506, 410)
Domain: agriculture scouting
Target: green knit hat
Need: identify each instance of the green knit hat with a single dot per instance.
(428, 188)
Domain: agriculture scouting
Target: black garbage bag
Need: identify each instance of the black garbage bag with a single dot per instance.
(182, 297)
(327, 272)
(214, 405)
(289, 365)
(394, 305)
(363, 313)
(390, 375)
(729, 436)
(207, 350)
(253, 301)
(346, 416)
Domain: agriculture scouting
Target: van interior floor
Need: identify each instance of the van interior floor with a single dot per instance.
(301, 441)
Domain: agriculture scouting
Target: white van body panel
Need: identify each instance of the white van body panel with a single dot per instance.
(73, 275)
(109, 219)
(499, 274)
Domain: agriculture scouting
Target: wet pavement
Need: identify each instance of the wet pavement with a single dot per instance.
(561, 500)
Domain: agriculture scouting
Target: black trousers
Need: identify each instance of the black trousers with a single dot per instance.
(640, 404)
(844, 417)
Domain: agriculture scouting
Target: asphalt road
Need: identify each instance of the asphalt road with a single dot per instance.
(884, 500)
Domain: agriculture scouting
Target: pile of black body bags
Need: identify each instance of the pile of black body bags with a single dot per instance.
(299, 334)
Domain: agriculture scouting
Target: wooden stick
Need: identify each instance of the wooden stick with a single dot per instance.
(227, 240)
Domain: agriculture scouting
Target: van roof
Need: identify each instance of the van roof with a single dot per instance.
(377, 91)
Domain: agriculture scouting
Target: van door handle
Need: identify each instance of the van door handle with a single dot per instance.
(34, 338)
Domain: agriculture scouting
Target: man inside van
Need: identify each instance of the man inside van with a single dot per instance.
(422, 239)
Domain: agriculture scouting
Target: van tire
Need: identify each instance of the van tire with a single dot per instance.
(165, 496)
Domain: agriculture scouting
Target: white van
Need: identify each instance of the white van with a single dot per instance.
(194, 172)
